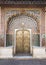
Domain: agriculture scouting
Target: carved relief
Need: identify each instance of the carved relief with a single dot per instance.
(22, 41)
(30, 13)
(31, 18)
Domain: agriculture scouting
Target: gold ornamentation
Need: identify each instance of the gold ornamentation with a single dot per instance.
(22, 41)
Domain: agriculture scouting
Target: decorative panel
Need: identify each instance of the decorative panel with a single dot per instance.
(23, 41)
(29, 22)
(16, 22)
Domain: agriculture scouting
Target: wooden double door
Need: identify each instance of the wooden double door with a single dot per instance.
(23, 41)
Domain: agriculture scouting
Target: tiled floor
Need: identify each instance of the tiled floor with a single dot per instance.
(23, 62)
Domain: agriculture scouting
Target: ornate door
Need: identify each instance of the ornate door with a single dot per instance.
(22, 41)
(26, 41)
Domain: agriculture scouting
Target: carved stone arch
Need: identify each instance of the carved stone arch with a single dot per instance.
(36, 37)
(26, 14)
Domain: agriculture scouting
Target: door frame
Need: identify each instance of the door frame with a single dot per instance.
(14, 45)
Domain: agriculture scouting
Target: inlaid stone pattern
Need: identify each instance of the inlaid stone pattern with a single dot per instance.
(9, 13)
(16, 23)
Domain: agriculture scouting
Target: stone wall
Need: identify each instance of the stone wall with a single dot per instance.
(6, 13)
(15, 19)
(1, 37)
(45, 26)
(0, 20)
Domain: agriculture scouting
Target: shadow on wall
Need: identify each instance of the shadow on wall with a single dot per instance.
(43, 42)
(9, 39)
(35, 39)
(1, 42)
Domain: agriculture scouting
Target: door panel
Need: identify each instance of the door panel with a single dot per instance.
(22, 41)
(26, 41)
(19, 41)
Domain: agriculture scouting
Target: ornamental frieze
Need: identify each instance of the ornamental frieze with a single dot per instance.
(23, 2)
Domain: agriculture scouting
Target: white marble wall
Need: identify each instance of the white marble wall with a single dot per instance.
(6, 52)
(39, 52)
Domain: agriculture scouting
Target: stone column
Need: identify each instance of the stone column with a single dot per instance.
(1, 35)
(42, 25)
(45, 26)
(3, 25)
(0, 20)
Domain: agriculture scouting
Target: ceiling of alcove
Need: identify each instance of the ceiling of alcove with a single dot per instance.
(16, 23)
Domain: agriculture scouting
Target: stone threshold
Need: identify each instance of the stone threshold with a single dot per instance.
(23, 57)
(19, 57)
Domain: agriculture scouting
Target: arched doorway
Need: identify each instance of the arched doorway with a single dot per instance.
(30, 23)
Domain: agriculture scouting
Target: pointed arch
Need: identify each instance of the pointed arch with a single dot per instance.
(26, 14)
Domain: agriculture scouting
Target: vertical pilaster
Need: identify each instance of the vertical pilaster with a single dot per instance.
(0, 20)
(3, 25)
(45, 26)
(1, 35)
(42, 26)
